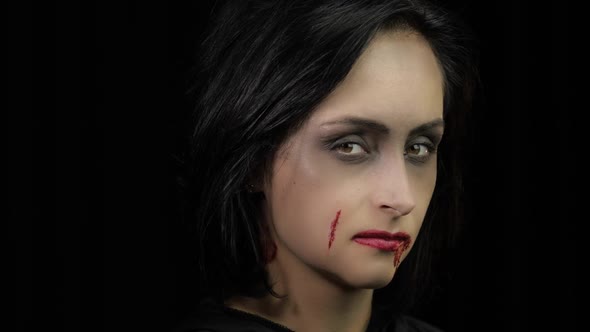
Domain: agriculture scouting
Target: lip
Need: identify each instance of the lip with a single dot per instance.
(383, 240)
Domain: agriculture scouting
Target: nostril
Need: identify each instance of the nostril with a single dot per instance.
(398, 210)
(393, 211)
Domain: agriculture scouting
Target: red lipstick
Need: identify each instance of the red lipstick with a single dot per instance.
(382, 240)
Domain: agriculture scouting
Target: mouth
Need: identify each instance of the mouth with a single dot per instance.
(383, 240)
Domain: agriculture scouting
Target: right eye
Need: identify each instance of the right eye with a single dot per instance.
(350, 148)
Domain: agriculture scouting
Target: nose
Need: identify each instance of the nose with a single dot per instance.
(394, 194)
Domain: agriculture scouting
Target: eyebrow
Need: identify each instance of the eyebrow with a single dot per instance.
(372, 125)
(428, 126)
(367, 124)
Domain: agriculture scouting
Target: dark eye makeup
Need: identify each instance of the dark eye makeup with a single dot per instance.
(420, 150)
(356, 147)
(350, 148)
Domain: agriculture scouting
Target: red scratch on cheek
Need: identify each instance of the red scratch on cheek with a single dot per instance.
(333, 228)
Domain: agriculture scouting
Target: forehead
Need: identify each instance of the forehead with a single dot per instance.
(397, 79)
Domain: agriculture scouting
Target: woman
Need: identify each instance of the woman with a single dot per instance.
(319, 170)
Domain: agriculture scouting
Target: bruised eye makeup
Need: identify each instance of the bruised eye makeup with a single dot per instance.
(420, 151)
(359, 140)
(355, 148)
(351, 148)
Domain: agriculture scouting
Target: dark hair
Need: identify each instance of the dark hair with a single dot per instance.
(264, 66)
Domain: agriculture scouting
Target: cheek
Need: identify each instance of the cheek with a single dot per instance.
(333, 229)
(305, 205)
(424, 184)
(307, 227)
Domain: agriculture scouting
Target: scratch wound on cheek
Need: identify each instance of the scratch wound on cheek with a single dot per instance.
(333, 229)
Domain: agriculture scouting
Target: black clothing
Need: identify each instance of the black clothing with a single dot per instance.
(217, 318)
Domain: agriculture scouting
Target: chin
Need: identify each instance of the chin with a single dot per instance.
(373, 281)
(363, 278)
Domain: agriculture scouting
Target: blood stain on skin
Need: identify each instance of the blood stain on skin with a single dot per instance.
(399, 252)
(333, 229)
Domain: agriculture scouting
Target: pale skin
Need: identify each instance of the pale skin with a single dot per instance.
(368, 151)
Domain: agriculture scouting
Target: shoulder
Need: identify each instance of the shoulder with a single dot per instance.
(384, 321)
(203, 319)
(211, 317)
(408, 323)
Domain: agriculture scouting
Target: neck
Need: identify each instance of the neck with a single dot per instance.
(313, 302)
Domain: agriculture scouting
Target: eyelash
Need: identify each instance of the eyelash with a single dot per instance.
(334, 143)
(339, 143)
(350, 157)
(422, 159)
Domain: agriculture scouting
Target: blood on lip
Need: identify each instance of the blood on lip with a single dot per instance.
(383, 244)
(399, 252)
(397, 243)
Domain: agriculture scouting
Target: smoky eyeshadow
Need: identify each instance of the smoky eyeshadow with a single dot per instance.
(332, 141)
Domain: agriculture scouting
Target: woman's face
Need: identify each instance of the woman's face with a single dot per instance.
(365, 161)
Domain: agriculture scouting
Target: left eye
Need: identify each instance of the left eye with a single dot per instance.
(418, 150)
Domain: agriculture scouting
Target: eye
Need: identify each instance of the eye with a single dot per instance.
(420, 152)
(350, 148)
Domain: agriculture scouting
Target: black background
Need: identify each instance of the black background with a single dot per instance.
(109, 113)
